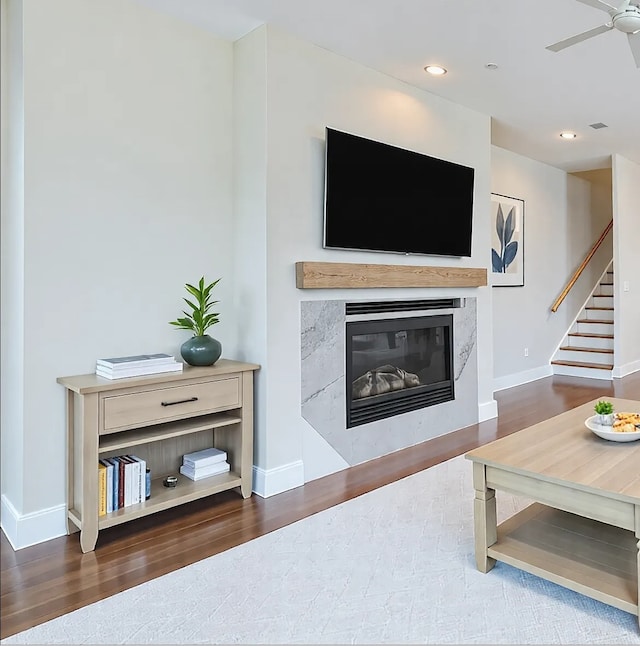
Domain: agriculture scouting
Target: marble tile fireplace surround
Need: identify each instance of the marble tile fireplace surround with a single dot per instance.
(325, 396)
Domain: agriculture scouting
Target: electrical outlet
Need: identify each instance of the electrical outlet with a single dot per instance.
(625, 286)
(526, 352)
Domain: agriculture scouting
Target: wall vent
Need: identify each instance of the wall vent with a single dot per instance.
(376, 307)
(598, 126)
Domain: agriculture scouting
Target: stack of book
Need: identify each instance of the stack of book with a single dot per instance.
(204, 464)
(121, 482)
(136, 366)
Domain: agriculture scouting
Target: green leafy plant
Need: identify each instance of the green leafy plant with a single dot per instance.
(200, 318)
(603, 407)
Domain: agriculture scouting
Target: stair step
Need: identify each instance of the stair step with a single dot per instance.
(586, 373)
(601, 357)
(591, 340)
(607, 284)
(589, 335)
(595, 326)
(594, 313)
(575, 348)
(582, 364)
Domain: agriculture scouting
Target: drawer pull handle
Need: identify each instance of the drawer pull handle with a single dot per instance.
(180, 401)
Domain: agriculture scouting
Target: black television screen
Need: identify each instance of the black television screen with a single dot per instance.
(380, 197)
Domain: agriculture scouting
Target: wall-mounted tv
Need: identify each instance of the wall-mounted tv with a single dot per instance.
(380, 197)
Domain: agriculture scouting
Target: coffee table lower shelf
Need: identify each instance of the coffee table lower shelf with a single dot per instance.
(595, 559)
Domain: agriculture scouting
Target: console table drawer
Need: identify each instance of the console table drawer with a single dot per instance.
(153, 406)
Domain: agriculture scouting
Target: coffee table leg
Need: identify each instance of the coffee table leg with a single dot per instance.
(484, 518)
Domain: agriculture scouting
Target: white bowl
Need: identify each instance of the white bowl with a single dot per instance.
(607, 433)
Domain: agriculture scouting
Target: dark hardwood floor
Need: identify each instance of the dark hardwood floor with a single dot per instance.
(47, 580)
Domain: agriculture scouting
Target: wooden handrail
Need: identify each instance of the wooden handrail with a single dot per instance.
(580, 269)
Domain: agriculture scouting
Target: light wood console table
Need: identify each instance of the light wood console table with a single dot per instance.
(159, 418)
(584, 530)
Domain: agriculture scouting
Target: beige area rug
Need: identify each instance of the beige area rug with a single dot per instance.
(393, 566)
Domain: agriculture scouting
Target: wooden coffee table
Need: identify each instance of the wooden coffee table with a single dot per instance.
(583, 531)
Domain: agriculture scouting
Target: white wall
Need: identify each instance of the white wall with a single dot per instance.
(128, 195)
(309, 88)
(626, 232)
(601, 190)
(250, 215)
(561, 223)
(11, 257)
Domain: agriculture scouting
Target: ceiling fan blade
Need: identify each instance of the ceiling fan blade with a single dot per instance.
(634, 43)
(567, 42)
(598, 4)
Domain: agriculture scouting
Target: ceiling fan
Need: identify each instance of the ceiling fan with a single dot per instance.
(624, 18)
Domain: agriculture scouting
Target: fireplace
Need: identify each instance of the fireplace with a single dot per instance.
(396, 365)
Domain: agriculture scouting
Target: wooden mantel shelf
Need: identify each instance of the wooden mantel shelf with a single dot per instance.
(342, 275)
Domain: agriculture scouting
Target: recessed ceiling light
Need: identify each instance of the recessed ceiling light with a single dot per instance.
(436, 70)
(491, 66)
(568, 135)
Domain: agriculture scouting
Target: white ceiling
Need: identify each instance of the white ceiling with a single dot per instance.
(532, 96)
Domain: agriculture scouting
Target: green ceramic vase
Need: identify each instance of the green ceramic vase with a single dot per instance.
(201, 350)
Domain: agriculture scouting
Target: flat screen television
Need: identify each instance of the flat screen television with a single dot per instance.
(380, 197)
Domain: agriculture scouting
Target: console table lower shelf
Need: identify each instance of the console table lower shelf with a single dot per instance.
(164, 498)
(584, 555)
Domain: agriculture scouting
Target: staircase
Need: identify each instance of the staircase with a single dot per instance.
(587, 350)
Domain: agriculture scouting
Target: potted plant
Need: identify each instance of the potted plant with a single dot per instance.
(604, 412)
(201, 349)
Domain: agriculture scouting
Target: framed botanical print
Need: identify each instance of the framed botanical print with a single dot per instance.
(507, 241)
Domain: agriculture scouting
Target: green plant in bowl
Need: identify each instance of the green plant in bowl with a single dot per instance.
(200, 318)
(604, 412)
(201, 349)
(604, 407)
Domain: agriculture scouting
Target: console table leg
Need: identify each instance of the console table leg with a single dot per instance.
(88, 539)
(484, 518)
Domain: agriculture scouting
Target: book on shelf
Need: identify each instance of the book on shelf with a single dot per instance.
(116, 477)
(205, 472)
(109, 485)
(142, 478)
(102, 490)
(140, 371)
(136, 360)
(121, 481)
(135, 480)
(203, 458)
(130, 477)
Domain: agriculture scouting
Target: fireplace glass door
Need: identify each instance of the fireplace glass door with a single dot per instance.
(397, 365)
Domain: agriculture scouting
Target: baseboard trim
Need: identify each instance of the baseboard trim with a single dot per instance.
(487, 410)
(24, 530)
(519, 378)
(270, 482)
(628, 368)
(9, 520)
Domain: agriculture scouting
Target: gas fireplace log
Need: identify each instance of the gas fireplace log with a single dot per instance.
(383, 380)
